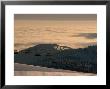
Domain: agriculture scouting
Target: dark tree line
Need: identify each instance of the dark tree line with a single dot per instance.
(81, 59)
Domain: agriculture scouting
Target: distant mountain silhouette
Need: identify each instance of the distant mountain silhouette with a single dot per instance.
(59, 57)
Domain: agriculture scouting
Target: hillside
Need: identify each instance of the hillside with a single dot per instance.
(59, 57)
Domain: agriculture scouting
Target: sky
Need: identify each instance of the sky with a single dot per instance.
(72, 30)
(55, 17)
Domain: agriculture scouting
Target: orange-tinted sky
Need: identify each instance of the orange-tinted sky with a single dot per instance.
(68, 30)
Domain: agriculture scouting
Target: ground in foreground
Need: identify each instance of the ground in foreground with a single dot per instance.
(30, 70)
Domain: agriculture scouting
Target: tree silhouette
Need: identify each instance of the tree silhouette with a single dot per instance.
(54, 56)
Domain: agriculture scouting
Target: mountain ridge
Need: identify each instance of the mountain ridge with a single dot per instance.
(59, 57)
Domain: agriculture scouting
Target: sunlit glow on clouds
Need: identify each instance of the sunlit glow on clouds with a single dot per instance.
(75, 32)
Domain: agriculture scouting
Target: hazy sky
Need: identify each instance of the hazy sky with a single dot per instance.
(55, 17)
(72, 30)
